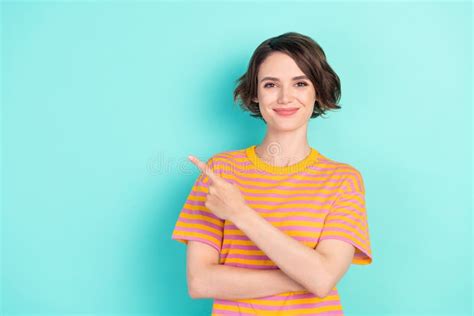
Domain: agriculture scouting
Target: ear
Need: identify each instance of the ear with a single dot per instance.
(255, 100)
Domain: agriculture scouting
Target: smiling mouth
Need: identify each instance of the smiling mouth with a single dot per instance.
(286, 111)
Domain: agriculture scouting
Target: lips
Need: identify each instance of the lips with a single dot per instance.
(285, 111)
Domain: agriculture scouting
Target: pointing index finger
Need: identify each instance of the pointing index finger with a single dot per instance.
(204, 168)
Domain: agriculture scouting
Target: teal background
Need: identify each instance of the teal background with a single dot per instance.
(103, 101)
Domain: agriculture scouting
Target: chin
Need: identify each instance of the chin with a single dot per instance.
(290, 126)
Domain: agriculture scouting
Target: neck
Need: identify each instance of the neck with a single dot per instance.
(284, 148)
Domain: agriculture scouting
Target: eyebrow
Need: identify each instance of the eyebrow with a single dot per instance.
(276, 79)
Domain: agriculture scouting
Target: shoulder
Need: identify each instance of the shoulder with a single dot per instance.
(342, 170)
(229, 155)
(332, 164)
(227, 161)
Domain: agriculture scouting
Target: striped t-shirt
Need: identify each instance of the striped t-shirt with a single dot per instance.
(314, 199)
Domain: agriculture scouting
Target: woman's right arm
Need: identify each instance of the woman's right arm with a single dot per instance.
(209, 279)
(219, 281)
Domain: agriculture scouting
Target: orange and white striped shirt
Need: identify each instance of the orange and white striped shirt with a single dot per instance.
(315, 199)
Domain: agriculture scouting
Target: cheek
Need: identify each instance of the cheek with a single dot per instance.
(310, 107)
(266, 98)
(265, 111)
(266, 102)
(309, 100)
(309, 96)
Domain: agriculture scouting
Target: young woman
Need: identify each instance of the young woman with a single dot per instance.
(272, 228)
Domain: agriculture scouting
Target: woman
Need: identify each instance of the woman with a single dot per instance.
(271, 229)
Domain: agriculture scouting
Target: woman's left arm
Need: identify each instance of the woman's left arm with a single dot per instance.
(318, 270)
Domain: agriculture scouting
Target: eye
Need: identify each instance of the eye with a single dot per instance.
(266, 85)
(304, 84)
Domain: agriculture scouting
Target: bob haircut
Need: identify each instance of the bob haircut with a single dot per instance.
(309, 57)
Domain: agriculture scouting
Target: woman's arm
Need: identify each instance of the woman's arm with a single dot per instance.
(207, 278)
(219, 281)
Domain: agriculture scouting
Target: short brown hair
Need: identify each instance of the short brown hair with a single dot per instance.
(309, 57)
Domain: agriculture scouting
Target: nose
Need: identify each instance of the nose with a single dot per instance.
(284, 95)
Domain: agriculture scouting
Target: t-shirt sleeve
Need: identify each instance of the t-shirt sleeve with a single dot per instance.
(347, 218)
(196, 221)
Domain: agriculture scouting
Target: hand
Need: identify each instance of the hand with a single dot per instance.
(224, 198)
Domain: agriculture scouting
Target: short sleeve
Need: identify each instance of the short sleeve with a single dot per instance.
(196, 221)
(347, 218)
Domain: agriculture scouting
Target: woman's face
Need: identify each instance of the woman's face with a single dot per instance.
(282, 85)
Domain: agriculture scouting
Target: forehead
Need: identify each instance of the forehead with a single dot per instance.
(279, 65)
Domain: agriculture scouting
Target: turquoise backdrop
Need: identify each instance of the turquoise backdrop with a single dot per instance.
(102, 102)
